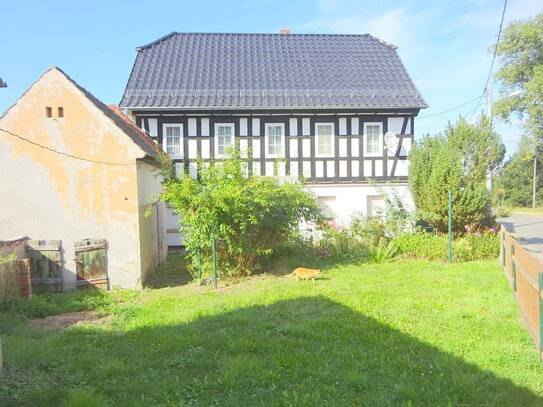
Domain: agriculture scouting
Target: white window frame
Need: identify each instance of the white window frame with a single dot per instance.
(233, 130)
(365, 136)
(164, 138)
(282, 153)
(332, 153)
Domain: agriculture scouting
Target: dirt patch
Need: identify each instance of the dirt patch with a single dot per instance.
(63, 321)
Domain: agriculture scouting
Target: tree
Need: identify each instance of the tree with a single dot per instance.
(459, 161)
(250, 214)
(516, 176)
(481, 149)
(521, 74)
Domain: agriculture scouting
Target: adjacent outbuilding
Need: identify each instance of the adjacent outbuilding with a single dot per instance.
(77, 177)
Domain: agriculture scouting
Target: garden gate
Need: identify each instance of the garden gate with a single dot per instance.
(45, 258)
(91, 262)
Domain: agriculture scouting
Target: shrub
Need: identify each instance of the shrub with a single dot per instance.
(369, 230)
(421, 246)
(250, 214)
(458, 160)
(477, 246)
(339, 245)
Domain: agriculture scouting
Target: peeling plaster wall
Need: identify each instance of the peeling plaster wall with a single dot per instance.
(45, 195)
(153, 244)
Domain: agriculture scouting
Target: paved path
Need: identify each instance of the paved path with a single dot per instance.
(528, 227)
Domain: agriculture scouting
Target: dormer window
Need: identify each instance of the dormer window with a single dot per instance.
(48, 111)
(60, 111)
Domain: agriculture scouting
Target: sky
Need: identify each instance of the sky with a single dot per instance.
(445, 45)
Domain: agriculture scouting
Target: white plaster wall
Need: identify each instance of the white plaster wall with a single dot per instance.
(354, 198)
(152, 228)
(31, 206)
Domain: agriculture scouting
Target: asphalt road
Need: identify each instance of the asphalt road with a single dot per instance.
(530, 228)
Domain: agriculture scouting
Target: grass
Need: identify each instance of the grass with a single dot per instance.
(529, 211)
(409, 333)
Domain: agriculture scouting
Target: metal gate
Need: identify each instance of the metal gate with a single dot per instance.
(45, 258)
(91, 264)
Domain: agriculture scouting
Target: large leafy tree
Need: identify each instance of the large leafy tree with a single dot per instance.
(521, 73)
(457, 160)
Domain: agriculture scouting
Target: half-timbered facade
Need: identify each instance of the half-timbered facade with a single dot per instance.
(338, 110)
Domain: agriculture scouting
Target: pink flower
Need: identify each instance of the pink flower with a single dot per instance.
(491, 230)
(477, 234)
(320, 257)
(467, 228)
(329, 255)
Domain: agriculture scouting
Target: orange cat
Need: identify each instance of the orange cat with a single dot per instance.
(305, 274)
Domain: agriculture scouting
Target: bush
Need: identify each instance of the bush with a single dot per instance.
(421, 246)
(457, 160)
(340, 245)
(250, 214)
(478, 246)
(473, 246)
(369, 230)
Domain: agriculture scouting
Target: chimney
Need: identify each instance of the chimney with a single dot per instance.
(284, 31)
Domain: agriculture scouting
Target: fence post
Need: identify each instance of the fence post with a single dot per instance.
(513, 269)
(540, 293)
(449, 245)
(214, 249)
(25, 282)
(503, 249)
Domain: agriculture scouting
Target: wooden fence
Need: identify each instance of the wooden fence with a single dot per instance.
(524, 270)
(15, 279)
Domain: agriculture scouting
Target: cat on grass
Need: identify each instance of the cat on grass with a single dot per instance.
(305, 274)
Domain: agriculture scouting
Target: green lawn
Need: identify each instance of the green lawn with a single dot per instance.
(398, 334)
(529, 211)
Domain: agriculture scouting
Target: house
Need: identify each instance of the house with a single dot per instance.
(338, 110)
(77, 177)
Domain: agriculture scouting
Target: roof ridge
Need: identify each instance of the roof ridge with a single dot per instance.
(174, 33)
(163, 38)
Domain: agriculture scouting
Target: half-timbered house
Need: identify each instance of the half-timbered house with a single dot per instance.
(338, 110)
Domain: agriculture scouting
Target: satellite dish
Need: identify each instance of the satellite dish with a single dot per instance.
(391, 141)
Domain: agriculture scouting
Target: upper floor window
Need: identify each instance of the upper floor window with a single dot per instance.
(275, 140)
(373, 139)
(324, 133)
(173, 136)
(224, 138)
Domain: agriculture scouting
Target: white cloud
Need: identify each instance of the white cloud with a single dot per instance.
(397, 26)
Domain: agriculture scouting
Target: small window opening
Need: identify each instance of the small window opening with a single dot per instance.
(60, 112)
(48, 112)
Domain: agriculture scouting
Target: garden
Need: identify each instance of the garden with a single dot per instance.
(387, 323)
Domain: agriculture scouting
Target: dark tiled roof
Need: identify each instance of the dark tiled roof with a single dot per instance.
(195, 70)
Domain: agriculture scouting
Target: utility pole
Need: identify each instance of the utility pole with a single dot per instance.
(489, 112)
(535, 175)
(489, 101)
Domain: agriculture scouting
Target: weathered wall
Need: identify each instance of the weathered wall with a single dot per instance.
(45, 195)
(153, 245)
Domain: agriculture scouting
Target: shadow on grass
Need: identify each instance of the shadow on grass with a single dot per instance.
(304, 352)
(173, 272)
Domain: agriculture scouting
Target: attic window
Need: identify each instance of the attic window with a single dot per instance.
(60, 112)
(48, 112)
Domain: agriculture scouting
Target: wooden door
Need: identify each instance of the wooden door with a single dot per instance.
(45, 258)
(91, 264)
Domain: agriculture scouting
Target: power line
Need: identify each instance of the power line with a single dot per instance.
(62, 153)
(492, 63)
(449, 110)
